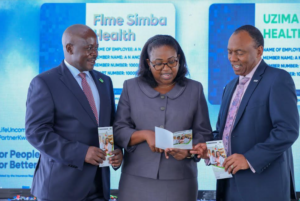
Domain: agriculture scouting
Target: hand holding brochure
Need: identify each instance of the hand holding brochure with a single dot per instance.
(180, 139)
(217, 155)
(106, 143)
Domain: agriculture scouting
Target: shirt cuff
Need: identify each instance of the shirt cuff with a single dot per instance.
(252, 169)
(207, 161)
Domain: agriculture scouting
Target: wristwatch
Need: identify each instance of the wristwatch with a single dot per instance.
(190, 155)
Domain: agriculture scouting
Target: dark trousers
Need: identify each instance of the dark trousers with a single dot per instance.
(231, 192)
(96, 192)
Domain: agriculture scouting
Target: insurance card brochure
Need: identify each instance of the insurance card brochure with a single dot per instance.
(106, 143)
(217, 155)
(180, 139)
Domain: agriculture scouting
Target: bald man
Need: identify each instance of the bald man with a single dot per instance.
(65, 107)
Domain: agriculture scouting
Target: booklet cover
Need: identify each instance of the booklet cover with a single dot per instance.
(180, 139)
(217, 155)
(106, 143)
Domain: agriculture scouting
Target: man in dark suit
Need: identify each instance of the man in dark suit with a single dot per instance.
(65, 107)
(258, 123)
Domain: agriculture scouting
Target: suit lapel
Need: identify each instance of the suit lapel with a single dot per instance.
(226, 102)
(249, 91)
(68, 79)
(104, 98)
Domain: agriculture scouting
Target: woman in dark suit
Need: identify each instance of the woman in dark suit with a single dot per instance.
(160, 96)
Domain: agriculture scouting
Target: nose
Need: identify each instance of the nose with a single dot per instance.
(165, 67)
(232, 57)
(94, 52)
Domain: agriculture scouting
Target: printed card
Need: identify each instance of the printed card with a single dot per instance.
(180, 139)
(217, 155)
(106, 143)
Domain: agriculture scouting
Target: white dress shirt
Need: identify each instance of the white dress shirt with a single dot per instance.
(75, 72)
(249, 75)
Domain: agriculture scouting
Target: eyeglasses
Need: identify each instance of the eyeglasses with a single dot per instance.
(159, 65)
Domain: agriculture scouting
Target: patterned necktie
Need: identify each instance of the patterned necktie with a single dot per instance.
(232, 114)
(88, 93)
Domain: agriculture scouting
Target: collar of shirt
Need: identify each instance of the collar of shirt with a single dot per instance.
(74, 71)
(250, 75)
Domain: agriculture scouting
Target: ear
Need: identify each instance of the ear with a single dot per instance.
(148, 62)
(260, 51)
(178, 57)
(69, 48)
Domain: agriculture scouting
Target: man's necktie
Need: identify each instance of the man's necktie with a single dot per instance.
(232, 114)
(88, 93)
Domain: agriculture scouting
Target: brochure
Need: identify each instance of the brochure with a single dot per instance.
(106, 143)
(180, 139)
(217, 155)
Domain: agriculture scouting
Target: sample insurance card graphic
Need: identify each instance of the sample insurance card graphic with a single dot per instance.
(122, 30)
(280, 26)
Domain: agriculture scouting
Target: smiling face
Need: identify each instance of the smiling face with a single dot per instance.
(243, 53)
(163, 54)
(83, 50)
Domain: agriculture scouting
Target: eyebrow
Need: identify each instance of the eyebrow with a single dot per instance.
(167, 58)
(236, 50)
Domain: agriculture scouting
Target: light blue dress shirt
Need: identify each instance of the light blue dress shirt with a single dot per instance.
(75, 72)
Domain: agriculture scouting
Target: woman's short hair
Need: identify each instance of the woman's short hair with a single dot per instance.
(144, 71)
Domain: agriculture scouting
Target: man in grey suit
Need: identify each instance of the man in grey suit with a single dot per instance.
(65, 107)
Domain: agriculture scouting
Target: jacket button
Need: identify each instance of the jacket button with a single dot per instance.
(162, 96)
(162, 108)
(161, 126)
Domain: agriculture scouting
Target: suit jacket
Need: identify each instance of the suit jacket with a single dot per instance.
(142, 108)
(61, 125)
(266, 126)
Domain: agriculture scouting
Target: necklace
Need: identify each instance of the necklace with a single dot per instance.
(166, 86)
